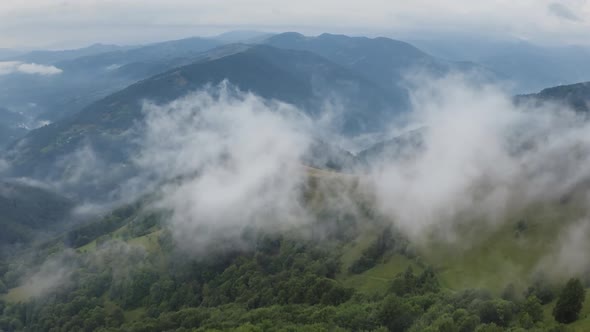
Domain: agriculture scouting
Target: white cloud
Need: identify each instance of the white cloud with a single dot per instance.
(568, 256)
(482, 157)
(229, 160)
(113, 67)
(53, 274)
(12, 67)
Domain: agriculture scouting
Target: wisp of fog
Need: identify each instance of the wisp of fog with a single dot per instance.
(228, 159)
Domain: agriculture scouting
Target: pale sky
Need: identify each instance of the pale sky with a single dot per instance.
(67, 23)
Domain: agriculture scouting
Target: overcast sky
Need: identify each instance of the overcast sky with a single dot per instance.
(68, 23)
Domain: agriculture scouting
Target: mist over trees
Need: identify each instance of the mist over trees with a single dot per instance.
(282, 182)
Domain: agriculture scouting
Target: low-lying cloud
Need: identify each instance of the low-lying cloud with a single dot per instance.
(60, 271)
(53, 274)
(482, 156)
(568, 257)
(228, 160)
(222, 159)
(14, 67)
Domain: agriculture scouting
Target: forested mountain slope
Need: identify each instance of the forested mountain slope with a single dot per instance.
(299, 78)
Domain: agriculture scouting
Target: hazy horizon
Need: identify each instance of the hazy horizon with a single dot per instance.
(71, 24)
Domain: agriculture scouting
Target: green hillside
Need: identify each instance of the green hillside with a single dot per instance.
(341, 272)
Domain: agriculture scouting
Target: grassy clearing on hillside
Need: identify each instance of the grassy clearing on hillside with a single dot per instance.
(18, 294)
(378, 279)
(354, 250)
(91, 246)
(87, 248)
(149, 241)
(494, 259)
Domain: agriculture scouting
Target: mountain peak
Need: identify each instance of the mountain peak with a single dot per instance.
(287, 37)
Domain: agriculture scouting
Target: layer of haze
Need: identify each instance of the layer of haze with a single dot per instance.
(481, 158)
(69, 23)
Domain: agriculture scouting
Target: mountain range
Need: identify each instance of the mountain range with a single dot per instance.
(189, 254)
(92, 73)
(306, 72)
(361, 75)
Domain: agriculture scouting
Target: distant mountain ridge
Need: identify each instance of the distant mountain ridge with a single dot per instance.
(576, 96)
(52, 57)
(526, 66)
(300, 78)
(363, 77)
(385, 61)
(92, 73)
(151, 53)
